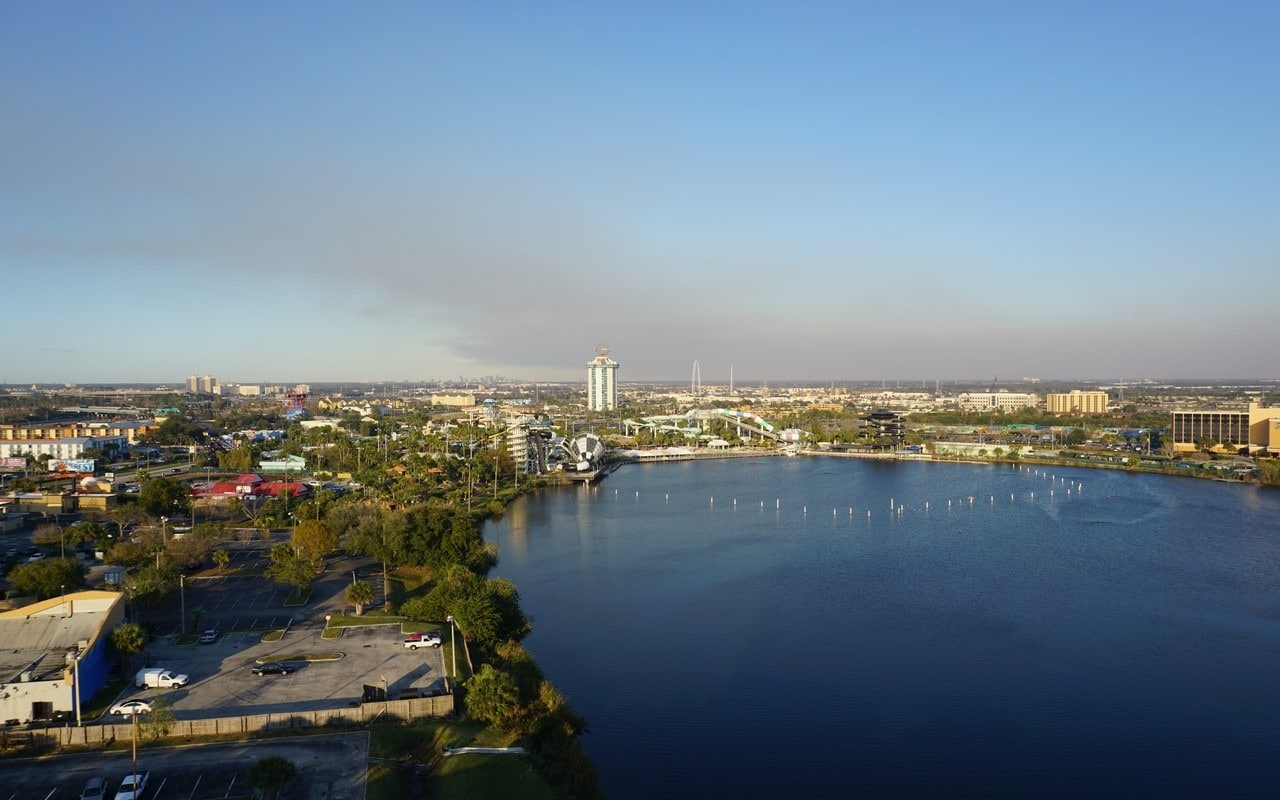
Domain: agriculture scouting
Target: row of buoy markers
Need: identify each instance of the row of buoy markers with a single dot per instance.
(894, 508)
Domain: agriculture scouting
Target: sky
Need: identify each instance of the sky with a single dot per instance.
(332, 191)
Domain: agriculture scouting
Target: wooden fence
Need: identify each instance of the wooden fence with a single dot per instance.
(354, 715)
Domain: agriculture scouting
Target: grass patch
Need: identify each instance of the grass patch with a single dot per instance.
(409, 756)
(334, 656)
(367, 618)
(273, 636)
(331, 633)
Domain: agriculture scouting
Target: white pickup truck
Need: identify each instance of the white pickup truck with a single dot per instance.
(156, 678)
(425, 639)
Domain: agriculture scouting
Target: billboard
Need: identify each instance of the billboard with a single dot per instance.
(13, 464)
(71, 465)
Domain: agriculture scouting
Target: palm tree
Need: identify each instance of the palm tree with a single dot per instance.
(359, 594)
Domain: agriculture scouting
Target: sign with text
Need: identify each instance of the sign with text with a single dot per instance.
(71, 465)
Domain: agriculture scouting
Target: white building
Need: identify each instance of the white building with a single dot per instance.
(72, 448)
(602, 381)
(997, 401)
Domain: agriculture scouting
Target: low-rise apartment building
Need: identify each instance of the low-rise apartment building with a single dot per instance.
(1076, 402)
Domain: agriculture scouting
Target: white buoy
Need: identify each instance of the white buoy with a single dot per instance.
(868, 515)
(735, 502)
(948, 502)
(891, 504)
(804, 510)
(666, 496)
(1033, 495)
(713, 500)
(777, 503)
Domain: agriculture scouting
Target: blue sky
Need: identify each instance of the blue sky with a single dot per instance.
(827, 191)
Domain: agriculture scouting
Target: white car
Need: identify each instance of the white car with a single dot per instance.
(131, 786)
(131, 707)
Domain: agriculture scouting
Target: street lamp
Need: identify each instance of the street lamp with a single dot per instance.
(76, 678)
(182, 591)
(453, 644)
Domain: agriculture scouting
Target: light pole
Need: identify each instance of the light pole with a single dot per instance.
(76, 670)
(182, 592)
(453, 644)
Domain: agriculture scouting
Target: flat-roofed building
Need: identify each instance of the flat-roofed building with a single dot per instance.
(56, 654)
(1257, 429)
(1076, 402)
(73, 447)
(997, 401)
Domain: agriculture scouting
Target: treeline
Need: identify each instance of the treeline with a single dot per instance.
(508, 690)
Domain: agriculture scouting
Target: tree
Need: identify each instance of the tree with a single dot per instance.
(289, 569)
(269, 775)
(129, 639)
(152, 581)
(158, 723)
(221, 558)
(359, 594)
(162, 497)
(48, 577)
(382, 535)
(313, 540)
(492, 697)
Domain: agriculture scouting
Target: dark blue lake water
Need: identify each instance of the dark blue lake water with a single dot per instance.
(743, 628)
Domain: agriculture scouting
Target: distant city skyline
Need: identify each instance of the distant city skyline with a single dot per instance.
(807, 192)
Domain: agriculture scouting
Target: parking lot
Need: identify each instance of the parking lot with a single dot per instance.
(222, 684)
(329, 766)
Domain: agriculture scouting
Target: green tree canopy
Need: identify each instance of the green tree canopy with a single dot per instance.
(492, 697)
(313, 540)
(271, 774)
(164, 497)
(129, 638)
(288, 568)
(48, 577)
(360, 594)
(487, 611)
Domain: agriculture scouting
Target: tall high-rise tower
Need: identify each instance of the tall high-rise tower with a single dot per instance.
(602, 381)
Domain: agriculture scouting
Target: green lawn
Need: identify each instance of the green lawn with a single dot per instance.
(395, 752)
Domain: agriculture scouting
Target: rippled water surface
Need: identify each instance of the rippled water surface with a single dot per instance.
(821, 627)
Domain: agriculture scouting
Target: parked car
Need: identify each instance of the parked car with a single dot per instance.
(426, 639)
(209, 637)
(94, 789)
(131, 707)
(272, 668)
(132, 786)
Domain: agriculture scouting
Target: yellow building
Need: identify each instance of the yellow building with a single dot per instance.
(1257, 430)
(1076, 402)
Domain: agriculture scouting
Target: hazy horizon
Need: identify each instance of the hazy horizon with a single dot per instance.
(425, 191)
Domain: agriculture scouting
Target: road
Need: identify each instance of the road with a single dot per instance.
(329, 766)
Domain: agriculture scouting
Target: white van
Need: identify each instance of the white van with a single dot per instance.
(157, 678)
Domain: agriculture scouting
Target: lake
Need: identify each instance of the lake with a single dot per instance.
(827, 627)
